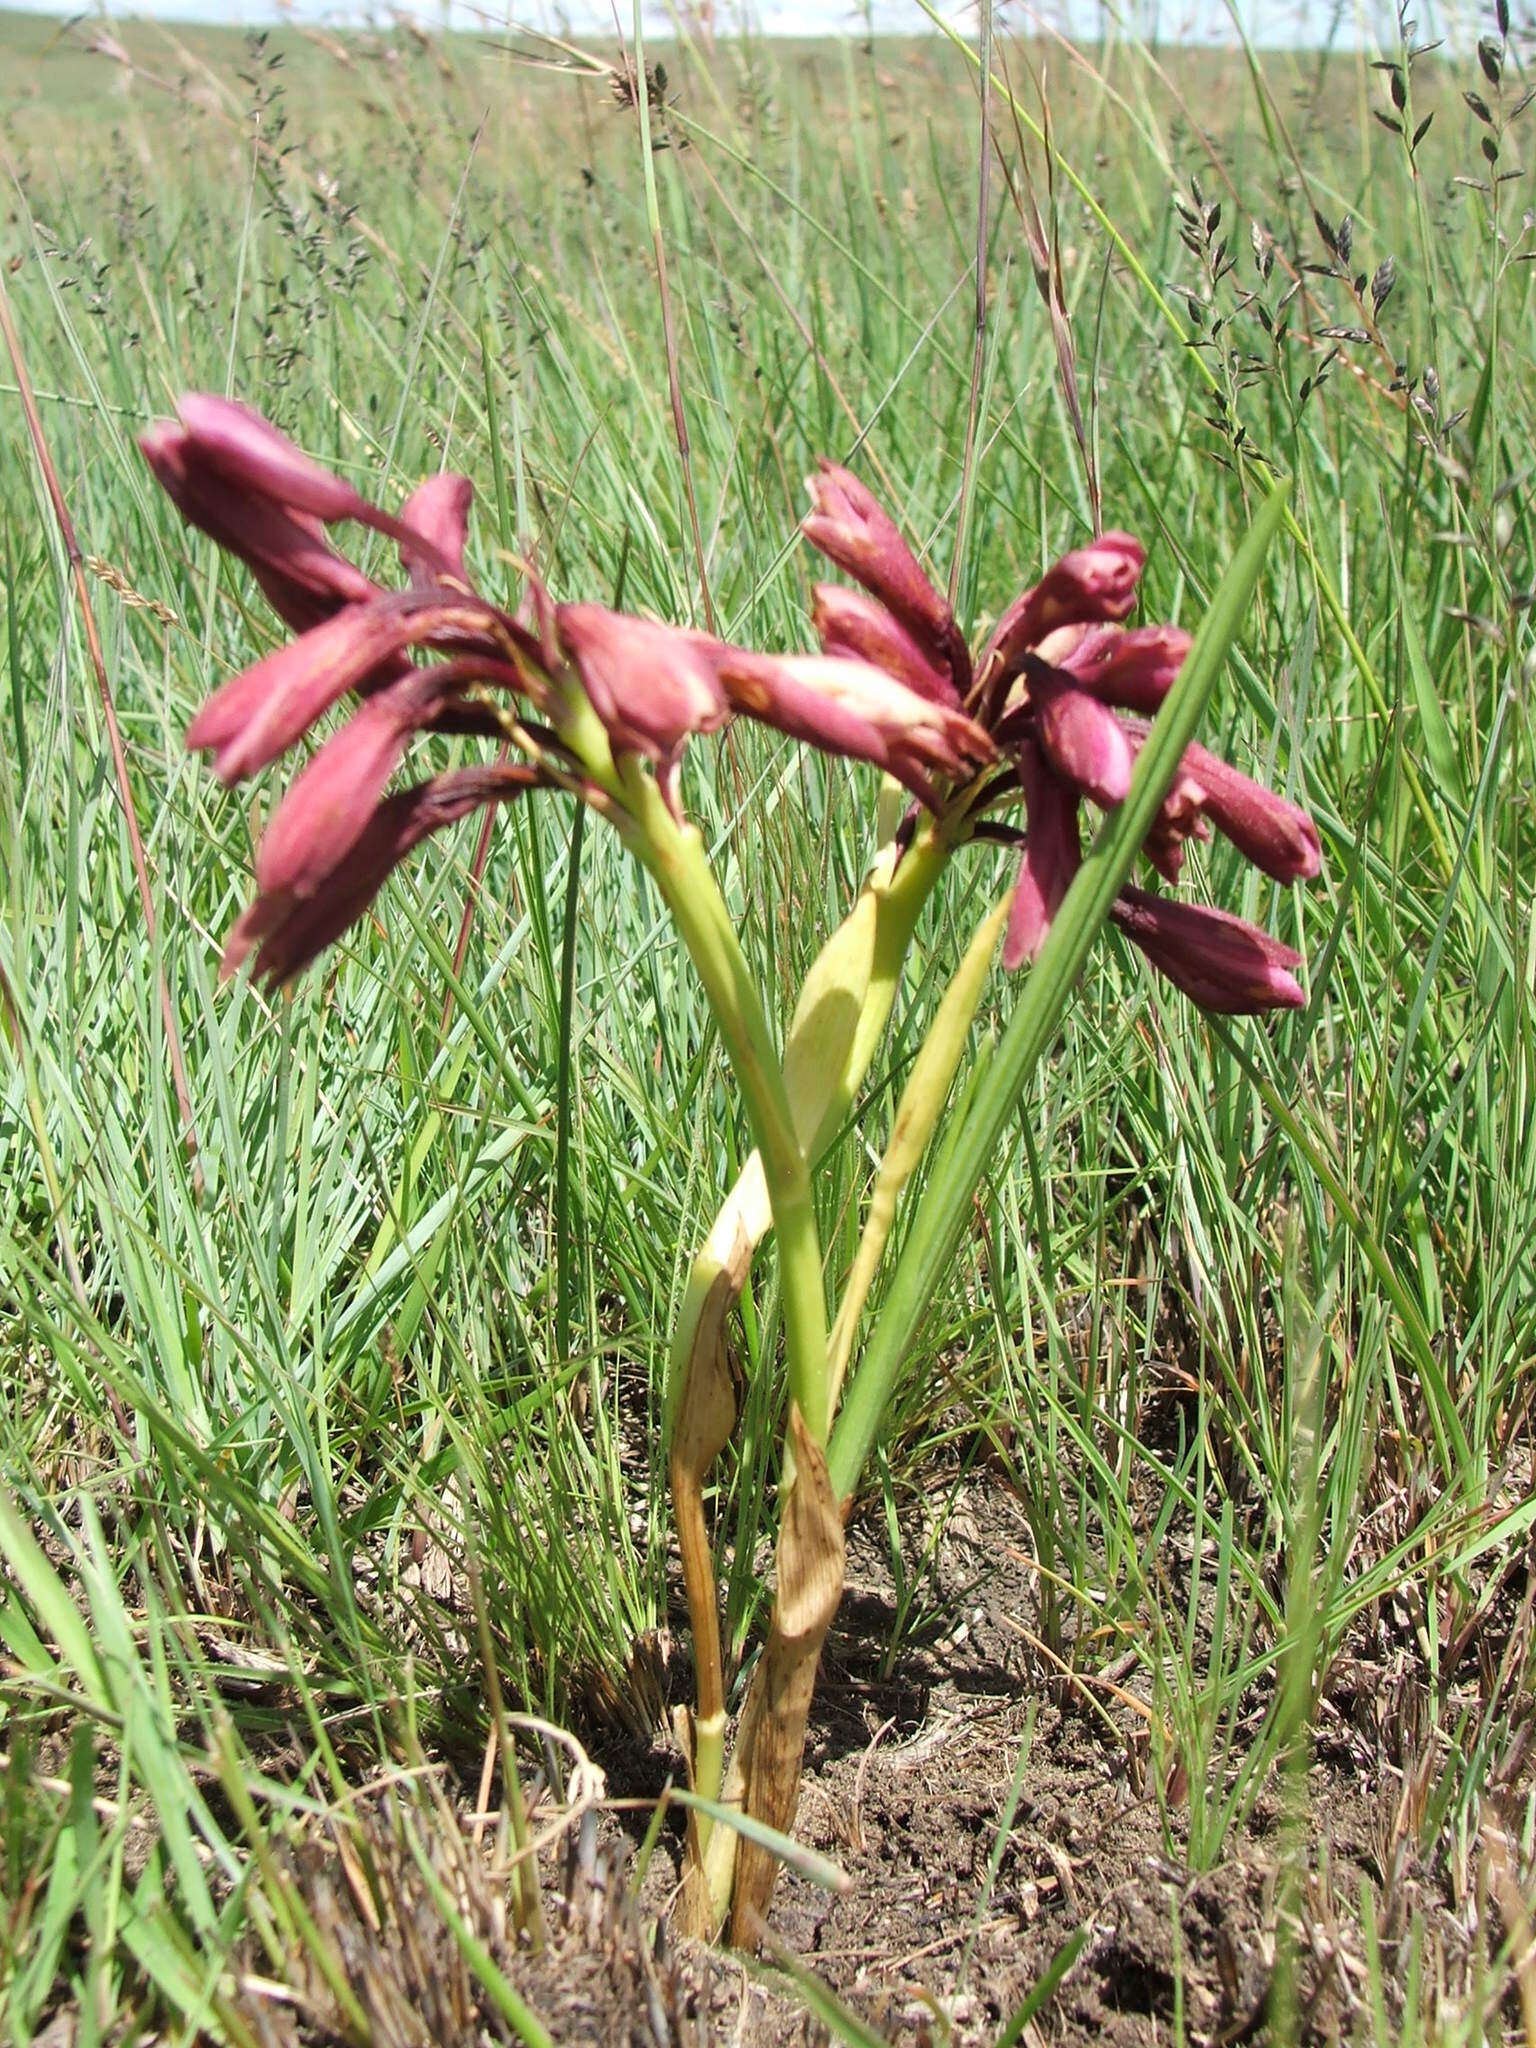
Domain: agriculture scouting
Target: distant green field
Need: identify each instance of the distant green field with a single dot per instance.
(1269, 1288)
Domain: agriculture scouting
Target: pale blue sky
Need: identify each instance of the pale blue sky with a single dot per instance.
(1346, 23)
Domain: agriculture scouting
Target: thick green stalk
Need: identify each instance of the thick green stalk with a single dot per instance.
(922, 1104)
(901, 905)
(817, 1120)
(805, 1307)
(822, 1072)
(674, 854)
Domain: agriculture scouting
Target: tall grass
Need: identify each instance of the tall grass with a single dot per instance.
(1250, 1320)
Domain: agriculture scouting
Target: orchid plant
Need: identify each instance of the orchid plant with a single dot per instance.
(1049, 714)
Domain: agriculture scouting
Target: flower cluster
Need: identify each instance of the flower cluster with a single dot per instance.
(336, 835)
(1057, 689)
(1052, 710)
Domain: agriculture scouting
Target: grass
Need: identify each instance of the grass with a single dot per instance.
(1249, 1323)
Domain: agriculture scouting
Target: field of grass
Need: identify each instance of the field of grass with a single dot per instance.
(308, 1407)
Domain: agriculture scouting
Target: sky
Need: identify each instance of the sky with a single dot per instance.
(1268, 22)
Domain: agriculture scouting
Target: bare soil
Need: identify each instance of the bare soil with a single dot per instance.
(956, 1911)
(908, 1776)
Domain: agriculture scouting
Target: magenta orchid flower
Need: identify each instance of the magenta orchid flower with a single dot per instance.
(1051, 689)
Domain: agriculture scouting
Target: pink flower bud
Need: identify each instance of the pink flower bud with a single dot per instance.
(1275, 834)
(250, 453)
(853, 708)
(300, 573)
(1134, 669)
(1053, 853)
(651, 685)
(287, 932)
(247, 454)
(261, 713)
(1220, 962)
(854, 530)
(437, 511)
(1271, 831)
(1082, 740)
(851, 624)
(1089, 586)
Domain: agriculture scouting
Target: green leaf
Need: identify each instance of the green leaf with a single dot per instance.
(51, 1602)
(1438, 741)
(795, 1856)
(1045, 1990)
(821, 1034)
(946, 1200)
(921, 1106)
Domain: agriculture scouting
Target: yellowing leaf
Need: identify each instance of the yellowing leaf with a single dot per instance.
(826, 1019)
(922, 1102)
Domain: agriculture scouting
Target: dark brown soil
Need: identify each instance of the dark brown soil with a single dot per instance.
(908, 1775)
(951, 1919)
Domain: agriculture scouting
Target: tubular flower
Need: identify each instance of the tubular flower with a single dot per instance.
(1056, 689)
(287, 931)
(852, 707)
(855, 531)
(337, 834)
(301, 575)
(850, 623)
(1053, 851)
(1220, 961)
(653, 685)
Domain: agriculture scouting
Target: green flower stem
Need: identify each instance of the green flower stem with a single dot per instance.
(921, 1105)
(674, 854)
(709, 1770)
(900, 896)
